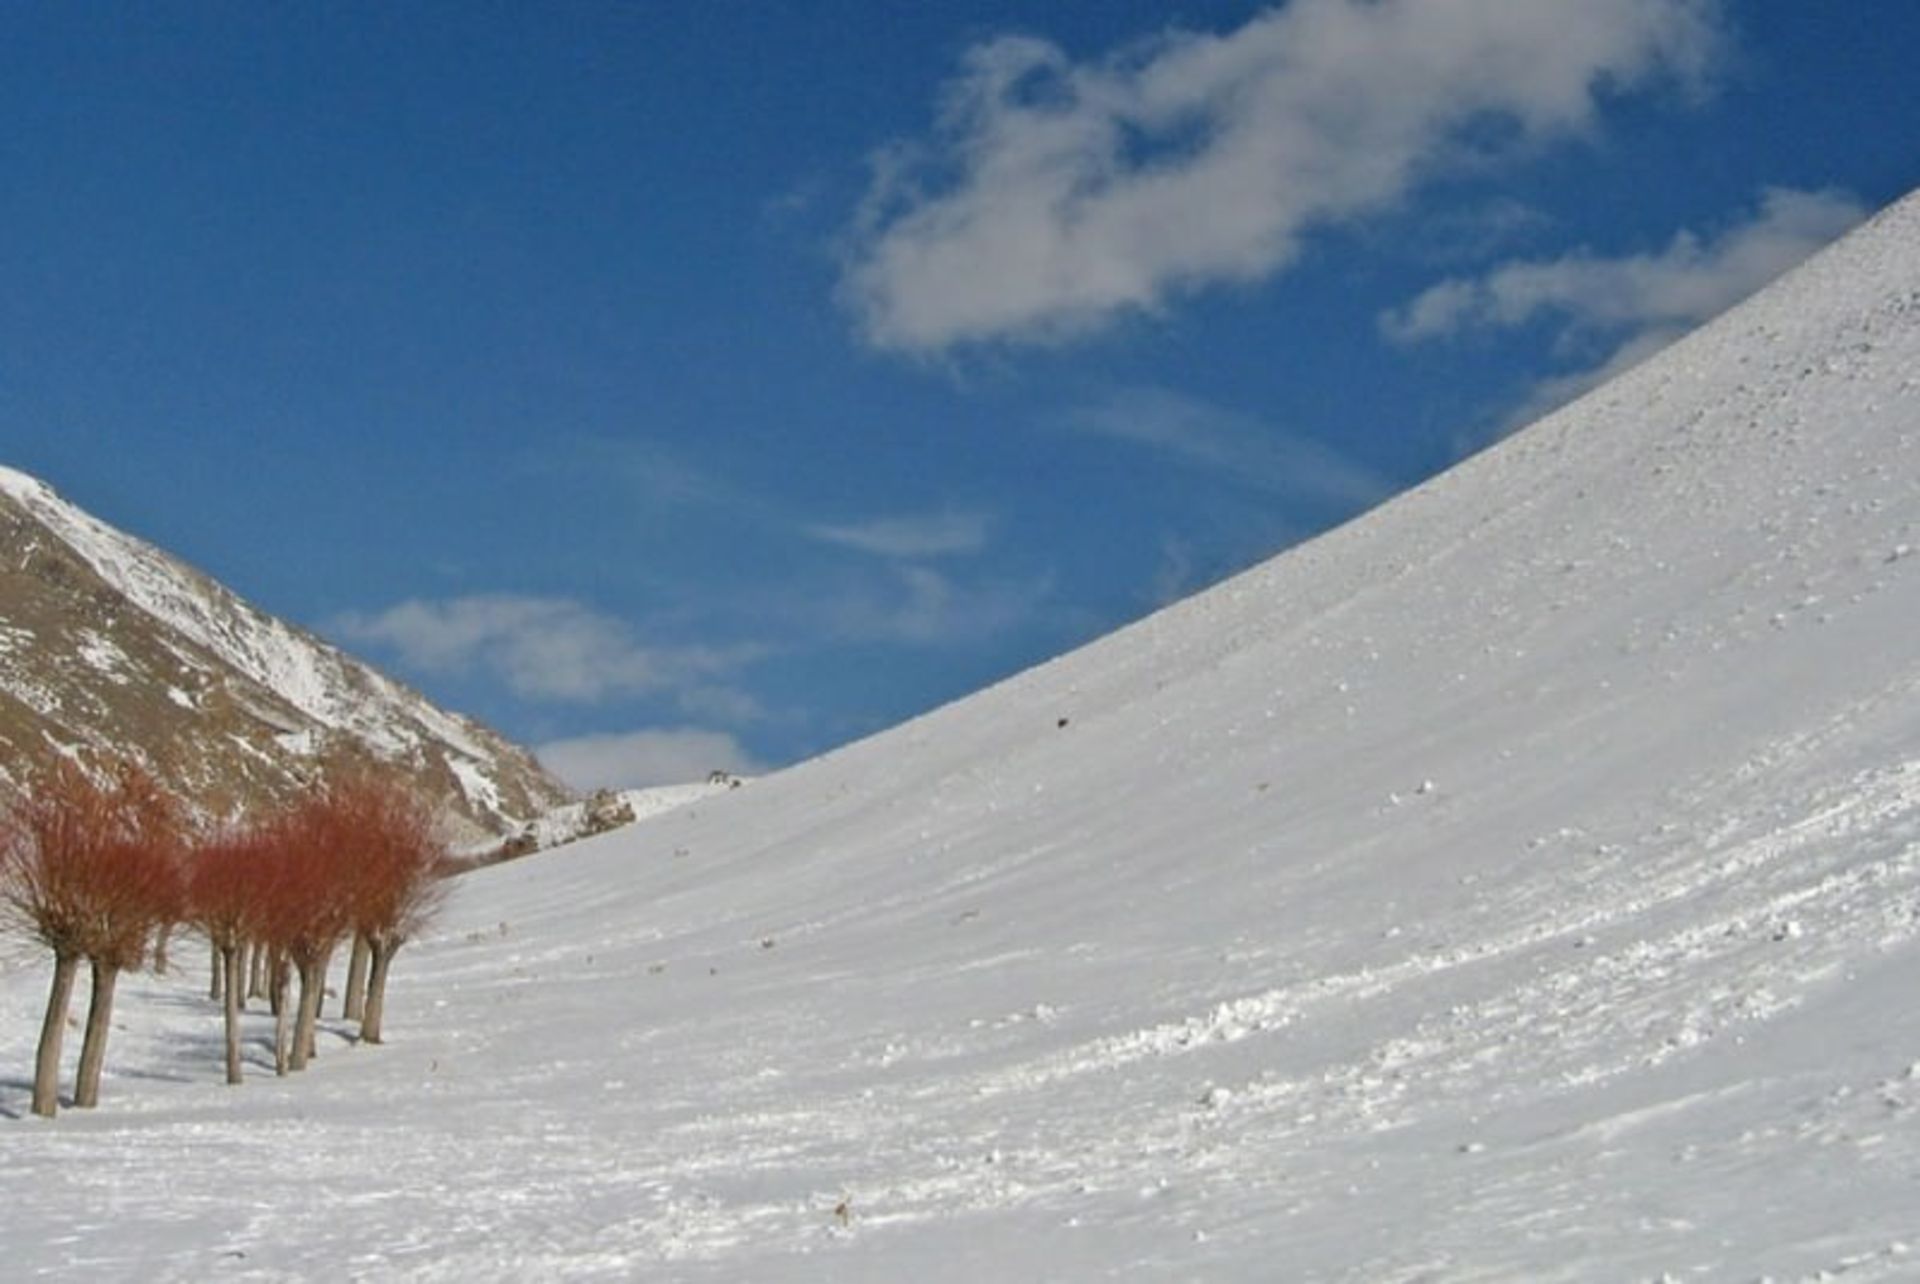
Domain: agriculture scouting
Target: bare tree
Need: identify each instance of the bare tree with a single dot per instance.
(257, 955)
(89, 872)
(401, 889)
(308, 915)
(278, 976)
(229, 888)
(353, 1005)
(138, 894)
(46, 837)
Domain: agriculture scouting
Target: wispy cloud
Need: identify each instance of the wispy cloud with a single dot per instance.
(933, 535)
(1202, 434)
(1055, 195)
(728, 705)
(889, 594)
(1692, 279)
(920, 606)
(904, 601)
(1472, 233)
(1178, 573)
(550, 648)
(654, 473)
(663, 478)
(639, 759)
(1636, 303)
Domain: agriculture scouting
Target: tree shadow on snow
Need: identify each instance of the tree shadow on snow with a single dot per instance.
(148, 1075)
(10, 1089)
(183, 999)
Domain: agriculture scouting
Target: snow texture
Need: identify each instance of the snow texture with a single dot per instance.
(1520, 883)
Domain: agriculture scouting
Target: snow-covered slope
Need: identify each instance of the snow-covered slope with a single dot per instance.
(1521, 883)
(108, 642)
(597, 813)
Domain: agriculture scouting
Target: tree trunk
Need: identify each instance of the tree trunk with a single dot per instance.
(257, 982)
(46, 1066)
(282, 1017)
(324, 966)
(382, 959)
(160, 950)
(356, 1002)
(217, 983)
(311, 979)
(93, 1050)
(229, 958)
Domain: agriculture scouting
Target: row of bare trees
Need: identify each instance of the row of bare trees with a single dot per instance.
(101, 868)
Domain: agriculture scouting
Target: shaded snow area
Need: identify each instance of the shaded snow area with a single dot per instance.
(1521, 883)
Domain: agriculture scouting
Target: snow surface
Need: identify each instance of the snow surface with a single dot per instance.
(1521, 883)
(569, 822)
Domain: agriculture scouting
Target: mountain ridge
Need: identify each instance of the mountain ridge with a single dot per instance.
(114, 644)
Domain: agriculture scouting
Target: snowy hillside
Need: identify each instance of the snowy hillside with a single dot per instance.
(1521, 883)
(597, 813)
(109, 642)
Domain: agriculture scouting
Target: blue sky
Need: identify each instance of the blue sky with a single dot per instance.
(707, 384)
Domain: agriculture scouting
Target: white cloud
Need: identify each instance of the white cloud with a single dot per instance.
(543, 647)
(1219, 439)
(639, 759)
(1692, 279)
(1057, 195)
(939, 535)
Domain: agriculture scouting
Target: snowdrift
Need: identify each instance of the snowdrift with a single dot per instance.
(1521, 882)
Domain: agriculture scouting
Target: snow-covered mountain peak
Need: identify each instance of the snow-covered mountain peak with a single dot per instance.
(24, 488)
